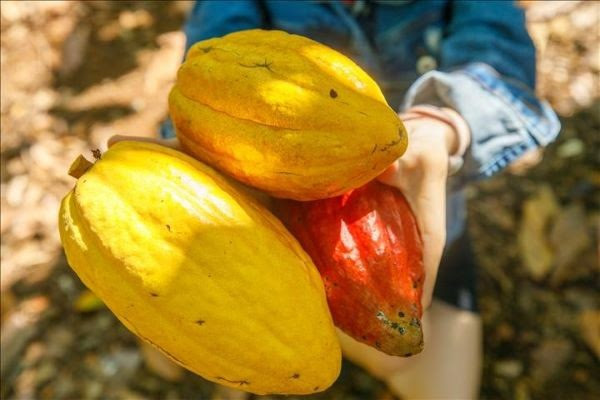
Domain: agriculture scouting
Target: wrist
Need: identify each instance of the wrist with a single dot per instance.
(449, 136)
(455, 130)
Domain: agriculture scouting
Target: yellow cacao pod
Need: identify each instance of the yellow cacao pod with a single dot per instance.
(199, 270)
(285, 114)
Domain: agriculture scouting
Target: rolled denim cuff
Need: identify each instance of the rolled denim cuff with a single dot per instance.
(505, 118)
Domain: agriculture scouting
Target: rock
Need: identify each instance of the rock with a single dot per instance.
(589, 322)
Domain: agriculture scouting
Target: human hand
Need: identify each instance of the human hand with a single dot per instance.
(421, 174)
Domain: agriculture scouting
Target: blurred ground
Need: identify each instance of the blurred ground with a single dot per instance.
(75, 73)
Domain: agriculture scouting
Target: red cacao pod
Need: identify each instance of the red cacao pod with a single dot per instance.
(367, 247)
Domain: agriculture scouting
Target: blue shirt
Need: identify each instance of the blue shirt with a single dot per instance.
(473, 56)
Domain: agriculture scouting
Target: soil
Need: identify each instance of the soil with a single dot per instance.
(75, 73)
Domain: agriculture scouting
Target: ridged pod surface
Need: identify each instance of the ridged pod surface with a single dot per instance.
(201, 271)
(285, 114)
(367, 247)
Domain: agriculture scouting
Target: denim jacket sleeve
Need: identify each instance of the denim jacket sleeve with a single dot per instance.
(487, 74)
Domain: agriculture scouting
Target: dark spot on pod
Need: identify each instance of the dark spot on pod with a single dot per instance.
(162, 200)
(241, 383)
(415, 322)
(206, 49)
(168, 227)
(401, 314)
(395, 325)
(200, 322)
(408, 355)
(97, 154)
(333, 94)
(415, 284)
(316, 388)
(296, 376)
(401, 330)
(377, 345)
(364, 337)
(153, 294)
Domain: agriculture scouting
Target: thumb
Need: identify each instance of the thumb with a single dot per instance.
(430, 211)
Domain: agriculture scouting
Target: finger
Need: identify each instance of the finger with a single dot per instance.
(390, 175)
(172, 143)
(430, 205)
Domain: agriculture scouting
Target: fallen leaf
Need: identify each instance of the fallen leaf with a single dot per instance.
(536, 251)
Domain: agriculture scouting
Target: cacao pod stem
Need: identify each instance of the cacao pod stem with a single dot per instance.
(79, 166)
